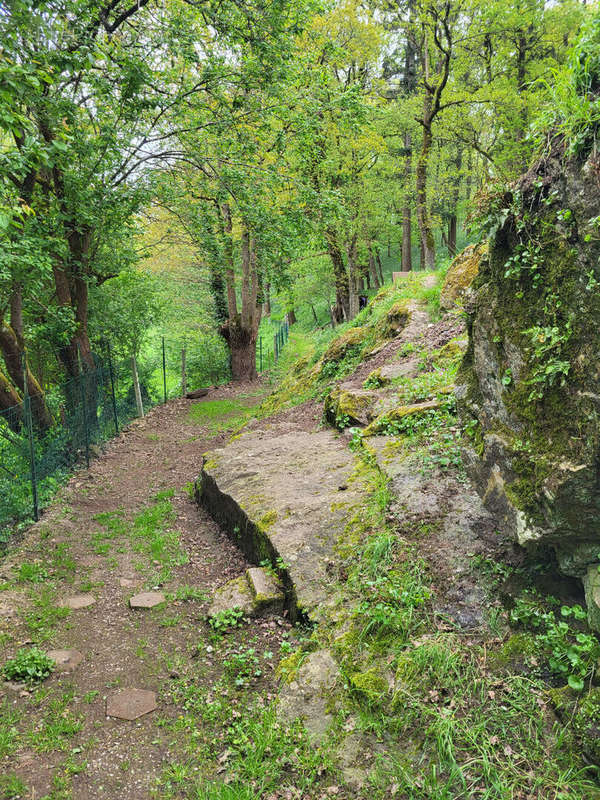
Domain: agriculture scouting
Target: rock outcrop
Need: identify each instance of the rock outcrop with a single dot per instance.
(529, 386)
(461, 274)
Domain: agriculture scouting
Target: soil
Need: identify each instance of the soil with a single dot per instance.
(122, 647)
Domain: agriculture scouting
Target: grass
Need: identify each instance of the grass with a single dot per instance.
(219, 415)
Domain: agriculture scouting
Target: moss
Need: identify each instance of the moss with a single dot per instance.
(385, 421)
(288, 667)
(396, 318)
(375, 380)
(371, 684)
(343, 408)
(267, 520)
(583, 714)
(461, 274)
(514, 653)
(349, 340)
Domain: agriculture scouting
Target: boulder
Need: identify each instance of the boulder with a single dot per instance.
(396, 319)
(528, 389)
(390, 422)
(342, 345)
(461, 274)
(344, 408)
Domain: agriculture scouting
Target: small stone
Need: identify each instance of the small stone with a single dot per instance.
(78, 601)
(130, 704)
(65, 660)
(147, 600)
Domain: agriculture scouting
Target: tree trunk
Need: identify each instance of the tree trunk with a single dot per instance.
(452, 223)
(341, 309)
(13, 355)
(10, 404)
(314, 313)
(425, 231)
(354, 278)
(373, 269)
(406, 262)
(241, 330)
(291, 316)
(379, 265)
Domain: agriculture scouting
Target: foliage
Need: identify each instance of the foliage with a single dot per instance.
(225, 620)
(572, 652)
(30, 665)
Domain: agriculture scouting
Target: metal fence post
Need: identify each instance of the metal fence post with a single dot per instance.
(183, 374)
(29, 423)
(164, 370)
(275, 347)
(136, 388)
(112, 389)
(260, 353)
(83, 408)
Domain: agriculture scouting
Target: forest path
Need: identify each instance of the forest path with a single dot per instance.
(126, 525)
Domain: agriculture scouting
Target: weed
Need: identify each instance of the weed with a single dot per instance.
(571, 652)
(12, 787)
(243, 666)
(225, 620)
(31, 573)
(30, 665)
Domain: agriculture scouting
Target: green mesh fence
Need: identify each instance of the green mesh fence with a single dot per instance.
(86, 410)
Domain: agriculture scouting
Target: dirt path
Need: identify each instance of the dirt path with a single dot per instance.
(127, 525)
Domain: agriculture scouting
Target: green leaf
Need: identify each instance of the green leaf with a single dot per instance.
(575, 682)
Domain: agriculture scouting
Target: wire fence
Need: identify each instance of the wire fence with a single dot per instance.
(45, 438)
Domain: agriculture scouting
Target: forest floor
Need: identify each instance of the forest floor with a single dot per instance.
(126, 525)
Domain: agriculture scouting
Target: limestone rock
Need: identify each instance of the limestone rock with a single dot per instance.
(344, 408)
(267, 592)
(591, 584)
(461, 274)
(65, 660)
(147, 600)
(235, 594)
(350, 340)
(528, 389)
(78, 601)
(130, 704)
(291, 478)
(398, 414)
(309, 696)
(400, 369)
(396, 319)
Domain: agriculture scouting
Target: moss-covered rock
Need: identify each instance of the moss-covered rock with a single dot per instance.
(389, 421)
(461, 274)
(350, 340)
(530, 380)
(395, 320)
(583, 715)
(344, 408)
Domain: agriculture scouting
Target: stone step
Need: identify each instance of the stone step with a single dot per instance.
(256, 593)
(267, 591)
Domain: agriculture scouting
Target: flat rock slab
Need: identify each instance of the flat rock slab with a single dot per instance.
(65, 660)
(147, 600)
(309, 696)
(130, 703)
(235, 594)
(78, 601)
(285, 494)
(389, 453)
